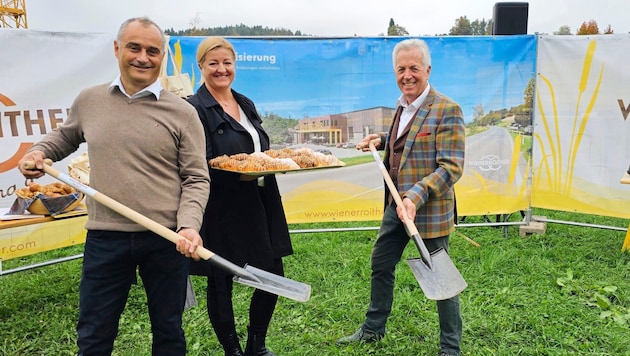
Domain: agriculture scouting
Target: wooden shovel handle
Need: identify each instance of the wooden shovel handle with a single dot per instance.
(142, 220)
(410, 226)
(118, 207)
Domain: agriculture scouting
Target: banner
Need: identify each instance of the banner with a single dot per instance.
(569, 158)
(41, 74)
(337, 79)
(35, 238)
(582, 130)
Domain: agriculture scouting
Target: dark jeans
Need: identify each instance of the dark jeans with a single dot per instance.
(109, 269)
(386, 253)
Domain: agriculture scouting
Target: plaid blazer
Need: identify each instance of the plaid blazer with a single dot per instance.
(432, 161)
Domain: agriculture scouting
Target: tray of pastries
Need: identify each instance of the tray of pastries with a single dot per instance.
(275, 161)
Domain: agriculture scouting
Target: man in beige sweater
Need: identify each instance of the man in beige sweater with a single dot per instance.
(147, 151)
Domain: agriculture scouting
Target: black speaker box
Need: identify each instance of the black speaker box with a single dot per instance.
(510, 18)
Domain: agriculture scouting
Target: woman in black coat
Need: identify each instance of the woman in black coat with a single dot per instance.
(244, 221)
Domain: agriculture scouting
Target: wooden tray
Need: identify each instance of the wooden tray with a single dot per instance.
(264, 173)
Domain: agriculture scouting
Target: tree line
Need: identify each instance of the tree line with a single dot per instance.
(279, 128)
(462, 27)
(234, 30)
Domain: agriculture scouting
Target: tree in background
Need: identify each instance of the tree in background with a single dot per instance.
(396, 30)
(194, 25)
(563, 30)
(278, 128)
(478, 112)
(523, 112)
(481, 27)
(237, 30)
(588, 28)
(608, 30)
(462, 27)
(489, 27)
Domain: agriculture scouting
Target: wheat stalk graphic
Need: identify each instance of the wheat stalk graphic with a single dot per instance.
(577, 131)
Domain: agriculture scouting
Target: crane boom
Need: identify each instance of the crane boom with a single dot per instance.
(13, 14)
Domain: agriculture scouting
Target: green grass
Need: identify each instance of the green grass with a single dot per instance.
(351, 161)
(566, 292)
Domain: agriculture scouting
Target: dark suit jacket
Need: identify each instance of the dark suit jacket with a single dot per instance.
(432, 161)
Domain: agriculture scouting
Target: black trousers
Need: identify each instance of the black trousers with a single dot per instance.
(110, 262)
(220, 307)
(386, 253)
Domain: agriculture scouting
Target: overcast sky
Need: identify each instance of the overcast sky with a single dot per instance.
(318, 17)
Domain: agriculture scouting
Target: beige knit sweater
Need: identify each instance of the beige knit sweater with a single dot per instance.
(145, 153)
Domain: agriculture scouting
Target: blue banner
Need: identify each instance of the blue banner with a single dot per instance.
(309, 77)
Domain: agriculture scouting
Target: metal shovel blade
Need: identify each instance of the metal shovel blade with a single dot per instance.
(275, 284)
(442, 281)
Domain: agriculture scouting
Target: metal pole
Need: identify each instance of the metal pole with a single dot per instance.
(42, 264)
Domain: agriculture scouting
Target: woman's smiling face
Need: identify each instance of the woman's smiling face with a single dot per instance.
(218, 68)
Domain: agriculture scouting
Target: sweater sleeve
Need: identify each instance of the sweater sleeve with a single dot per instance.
(195, 186)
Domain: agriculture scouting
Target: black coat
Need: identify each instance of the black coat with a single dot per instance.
(243, 223)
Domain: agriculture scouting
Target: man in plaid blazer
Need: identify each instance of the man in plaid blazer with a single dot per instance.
(424, 154)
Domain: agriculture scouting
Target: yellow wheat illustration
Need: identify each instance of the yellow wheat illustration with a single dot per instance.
(576, 139)
(577, 131)
(179, 62)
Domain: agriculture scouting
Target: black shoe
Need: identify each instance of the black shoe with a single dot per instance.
(231, 346)
(362, 335)
(256, 342)
(444, 353)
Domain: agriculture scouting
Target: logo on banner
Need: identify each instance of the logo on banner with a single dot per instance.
(489, 163)
(12, 161)
(18, 123)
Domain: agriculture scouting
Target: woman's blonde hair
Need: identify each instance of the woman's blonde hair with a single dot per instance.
(211, 43)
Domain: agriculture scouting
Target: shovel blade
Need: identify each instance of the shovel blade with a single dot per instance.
(443, 281)
(275, 284)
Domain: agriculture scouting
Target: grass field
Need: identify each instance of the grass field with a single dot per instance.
(566, 292)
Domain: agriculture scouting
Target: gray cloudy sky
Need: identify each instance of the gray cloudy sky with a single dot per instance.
(317, 17)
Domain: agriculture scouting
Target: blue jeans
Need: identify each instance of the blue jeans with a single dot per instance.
(386, 253)
(109, 269)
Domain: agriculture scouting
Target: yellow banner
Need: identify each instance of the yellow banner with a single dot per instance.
(35, 238)
(582, 133)
(327, 200)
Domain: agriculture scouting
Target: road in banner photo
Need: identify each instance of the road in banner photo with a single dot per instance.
(366, 175)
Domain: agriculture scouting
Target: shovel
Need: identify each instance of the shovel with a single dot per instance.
(249, 275)
(437, 275)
